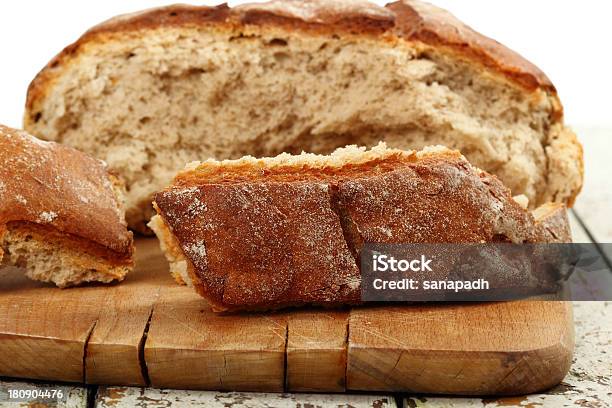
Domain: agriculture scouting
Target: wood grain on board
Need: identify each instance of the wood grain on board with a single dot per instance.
(316, 350)
(189, 346)
(43, 330)
(148, 326)
(586, 385)
(113, 351)
(84, 334)
(469, 349)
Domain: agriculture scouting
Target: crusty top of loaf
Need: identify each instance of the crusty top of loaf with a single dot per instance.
(341, 157)
(53, 185)
(408, 20)
(344, 162)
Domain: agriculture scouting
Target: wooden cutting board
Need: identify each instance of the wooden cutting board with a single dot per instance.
(150, 331)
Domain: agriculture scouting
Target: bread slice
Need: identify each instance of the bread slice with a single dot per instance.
(61, 213)
(150, 91)
(267, 233)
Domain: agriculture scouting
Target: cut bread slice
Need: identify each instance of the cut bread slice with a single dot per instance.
(151, 91)
(268, 233)
(61, 213)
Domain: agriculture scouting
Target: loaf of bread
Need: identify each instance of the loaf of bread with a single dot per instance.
(61, 213)
(267, 233)
(150, 91)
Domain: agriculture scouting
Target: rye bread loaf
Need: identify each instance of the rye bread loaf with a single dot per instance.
(61, 213)
(267, 233)
(150, 91)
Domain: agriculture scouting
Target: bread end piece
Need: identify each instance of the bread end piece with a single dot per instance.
(61, 213)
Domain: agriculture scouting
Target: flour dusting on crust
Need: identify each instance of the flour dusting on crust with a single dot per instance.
(273, 241)
(54, 185)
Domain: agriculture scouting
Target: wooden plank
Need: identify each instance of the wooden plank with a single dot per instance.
(316, 351)
(472, 349)
(73, 396)
(586, 385)
(113, 351)
(120, 397)
(188, 346)
(84, 334)
(43, 330)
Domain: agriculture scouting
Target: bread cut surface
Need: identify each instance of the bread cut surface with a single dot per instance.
(61, 213)
(267, 233)
(151, 91)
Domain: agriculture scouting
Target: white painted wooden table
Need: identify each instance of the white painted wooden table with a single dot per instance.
(588, 384)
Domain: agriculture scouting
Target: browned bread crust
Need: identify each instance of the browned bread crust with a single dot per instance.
(52, 194)
(259, 234)
(409, 20)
